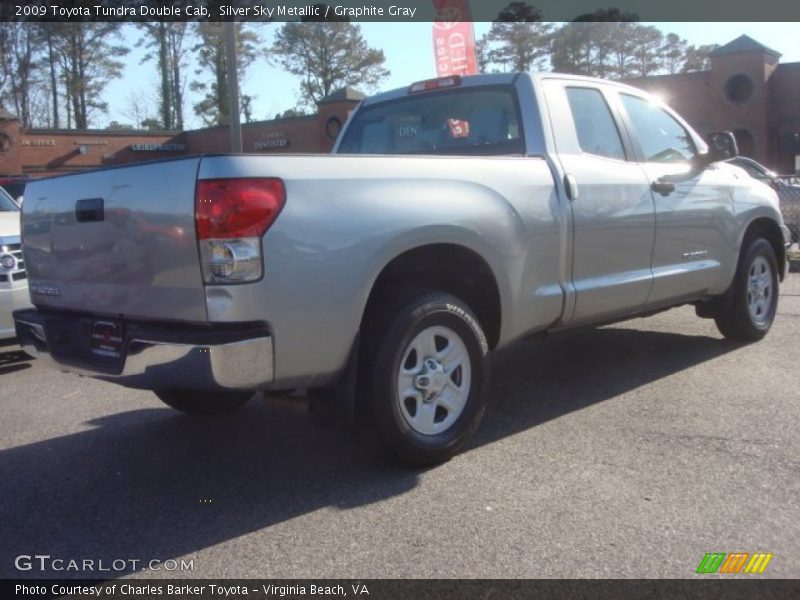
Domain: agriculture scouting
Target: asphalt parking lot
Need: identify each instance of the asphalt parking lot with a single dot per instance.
(625, 451)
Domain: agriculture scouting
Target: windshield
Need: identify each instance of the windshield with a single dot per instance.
(6, 203)
(473, 121)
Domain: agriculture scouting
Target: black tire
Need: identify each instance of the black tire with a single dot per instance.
(734, 317)
(203, 403)
(389, 422)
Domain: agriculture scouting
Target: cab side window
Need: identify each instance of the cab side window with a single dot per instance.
(594, 124)
(661, 137)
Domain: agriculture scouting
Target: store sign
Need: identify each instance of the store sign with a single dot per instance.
(272, 141)
(158, 147)
(90, 143)
(37, 142)
(271, 144)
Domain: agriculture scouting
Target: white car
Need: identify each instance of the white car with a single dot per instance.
(13, 277)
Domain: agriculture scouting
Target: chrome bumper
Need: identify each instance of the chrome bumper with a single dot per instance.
(244, 364)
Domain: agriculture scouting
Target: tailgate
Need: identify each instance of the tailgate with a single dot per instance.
(117, 242)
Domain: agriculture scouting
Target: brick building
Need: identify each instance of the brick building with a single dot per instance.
(43, 152)
(746, 91)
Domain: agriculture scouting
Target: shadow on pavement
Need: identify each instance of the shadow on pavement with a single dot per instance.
(138, 484)
(536, 381)
(13, 359)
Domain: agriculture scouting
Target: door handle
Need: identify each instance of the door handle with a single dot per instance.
(663, 187)
(571, 187)
(89, 209)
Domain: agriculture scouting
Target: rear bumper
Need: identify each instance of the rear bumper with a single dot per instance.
(235, 357)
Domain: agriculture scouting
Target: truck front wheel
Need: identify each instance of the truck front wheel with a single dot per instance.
(203, 403)
(423, 378)
(747, 310)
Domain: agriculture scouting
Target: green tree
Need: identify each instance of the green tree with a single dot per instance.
(288, 113)
(89, 60)
(696, 58)
(21, 67)
(48, 36)
(573, 49)
(598, 44)
(647, 41)
(151, 125)
(247, 107)
(165, 44)
(214, 108)
(622, 49)
(517, 41)
(482, 54)
(117, 126)
(673, 53)
(327, 56)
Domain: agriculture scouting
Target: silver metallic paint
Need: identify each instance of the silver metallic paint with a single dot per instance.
(347, 217)
(140, 261)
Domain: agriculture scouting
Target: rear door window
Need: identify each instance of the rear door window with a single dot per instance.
(597, 132)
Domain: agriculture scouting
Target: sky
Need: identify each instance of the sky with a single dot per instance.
(409, 56)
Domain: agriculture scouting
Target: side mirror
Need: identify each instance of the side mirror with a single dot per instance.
(721, 146)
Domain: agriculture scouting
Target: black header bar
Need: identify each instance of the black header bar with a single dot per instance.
(391, 10)
(387, 589)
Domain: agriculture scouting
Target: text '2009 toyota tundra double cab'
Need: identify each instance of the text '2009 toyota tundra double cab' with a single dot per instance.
(454, 217)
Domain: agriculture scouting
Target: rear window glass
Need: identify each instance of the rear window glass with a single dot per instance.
(467, 121)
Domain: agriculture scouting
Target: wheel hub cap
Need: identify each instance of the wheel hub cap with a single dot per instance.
(759, 290)
(433, 380)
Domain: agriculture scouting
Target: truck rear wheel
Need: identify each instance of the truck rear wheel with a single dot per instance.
(423, 378)
(203, 403)
(747, 310)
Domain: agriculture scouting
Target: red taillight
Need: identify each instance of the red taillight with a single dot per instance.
(237, 208)
(435, 84)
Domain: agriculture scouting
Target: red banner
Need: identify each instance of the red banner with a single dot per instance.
(454, 39)
(454, 47)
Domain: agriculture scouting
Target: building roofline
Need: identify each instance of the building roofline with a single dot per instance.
(109, 132)
(345, 94)
(148, 132)
(743, 44)
(298, 118)
(667, 76)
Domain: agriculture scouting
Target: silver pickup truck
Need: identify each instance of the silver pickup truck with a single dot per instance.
(455, 216)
